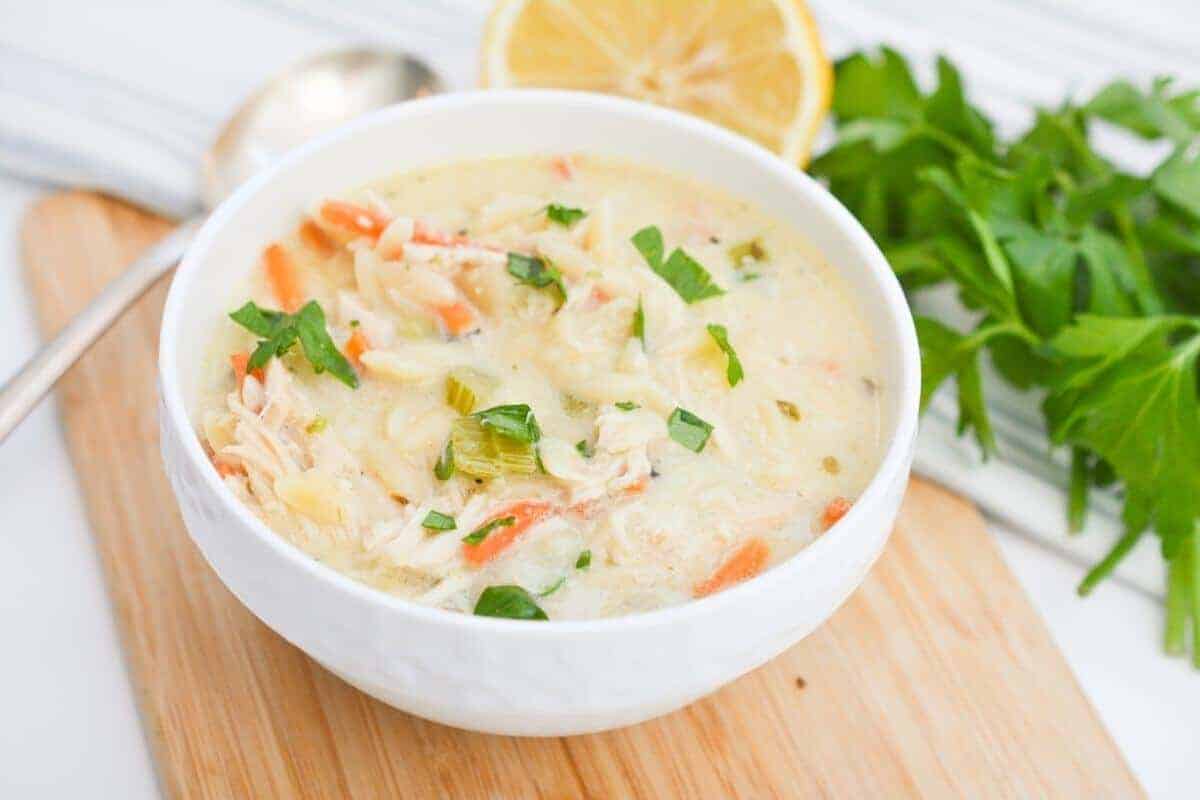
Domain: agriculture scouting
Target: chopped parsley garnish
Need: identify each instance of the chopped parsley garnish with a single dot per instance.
(354, 323)
(444, 468)
(535, 272)
(733, 368)
(483, 531)
(626, 405)
(514, 421)
(751, 250)
(508, 602)
(688, 429)
(585, 448)
(280, 331)
(437, 521)
(639, 323)
(788, 409)
(553, 587)
(649, 243)
(584, 561)
(317, 425)
(564, 215)
(682, 272)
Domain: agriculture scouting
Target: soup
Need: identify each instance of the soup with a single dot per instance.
(556, 387)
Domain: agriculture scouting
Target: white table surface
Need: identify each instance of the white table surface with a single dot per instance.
(68, 724)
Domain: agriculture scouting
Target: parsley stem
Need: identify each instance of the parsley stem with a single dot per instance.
(1179, 592)
(944, 139)
(1078, 495)
(1193, 544)
(1115, 556)
(989, 331)
(1147, 296)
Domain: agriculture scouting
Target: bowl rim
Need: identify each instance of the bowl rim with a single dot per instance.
(896, 460)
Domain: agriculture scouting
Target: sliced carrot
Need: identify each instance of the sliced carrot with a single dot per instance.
(354, 218)
(637, 488)
(563, 166)
(284, 278)
(527, 514)
(240, 361)
(836, 509)
(393, 252)
(746, 562)
(316, 239)
(424, 234)
(356, 345)
(225, 469)
(458, 318)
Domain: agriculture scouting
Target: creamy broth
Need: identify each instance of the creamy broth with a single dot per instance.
(478, 285)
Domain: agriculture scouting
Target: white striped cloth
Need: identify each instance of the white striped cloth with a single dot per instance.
(134, 120)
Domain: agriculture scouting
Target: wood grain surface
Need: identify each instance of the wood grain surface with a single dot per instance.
(936, 679)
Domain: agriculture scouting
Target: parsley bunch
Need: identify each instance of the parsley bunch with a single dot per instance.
(1085, 280)
(280, 331)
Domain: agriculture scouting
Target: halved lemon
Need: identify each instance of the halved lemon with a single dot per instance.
(756, 66)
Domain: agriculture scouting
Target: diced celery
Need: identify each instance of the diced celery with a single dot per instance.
(465, 387)
(482, 453)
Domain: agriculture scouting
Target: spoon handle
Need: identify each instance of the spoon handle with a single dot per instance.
(25, 389)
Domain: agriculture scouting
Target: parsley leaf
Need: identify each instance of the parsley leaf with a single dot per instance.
(261, 321)
(514, 421)
(733, 368)
(1152, 115)
(639, 323)
(564, 215)
(1177, 181)
(280, 331)
(649, 242)
(684, 274)
(688, 429)
(554, 587)
(626, 405)
(584, 561)
(437, 521)
(483, 531)
(1131, 399)
(508, 602)
(536, 272)
(319, 349)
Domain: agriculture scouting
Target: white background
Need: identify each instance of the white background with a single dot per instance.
(68, 724)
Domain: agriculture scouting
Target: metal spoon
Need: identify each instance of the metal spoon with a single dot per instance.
(310, 99)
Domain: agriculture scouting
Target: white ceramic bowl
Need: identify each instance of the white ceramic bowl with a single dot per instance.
(506, 676)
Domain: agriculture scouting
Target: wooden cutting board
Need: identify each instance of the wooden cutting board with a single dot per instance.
(936, 679)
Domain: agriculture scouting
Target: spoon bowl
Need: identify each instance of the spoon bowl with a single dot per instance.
(303, 103)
